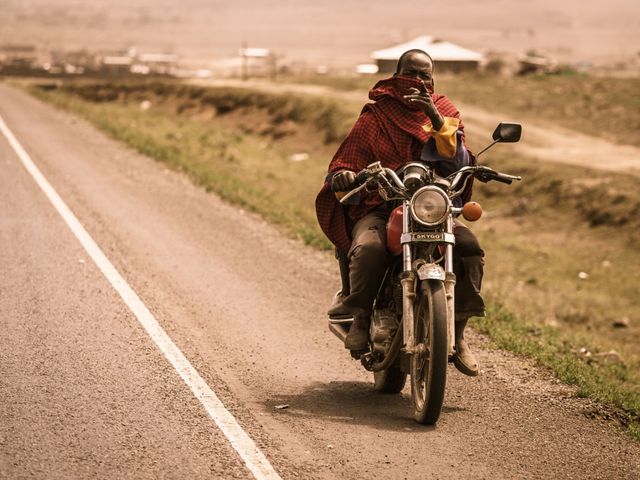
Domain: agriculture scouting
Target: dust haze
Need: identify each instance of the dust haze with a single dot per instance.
(333, 32)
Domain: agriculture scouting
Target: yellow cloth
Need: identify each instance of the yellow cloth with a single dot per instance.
(445, 138)
(339, 195)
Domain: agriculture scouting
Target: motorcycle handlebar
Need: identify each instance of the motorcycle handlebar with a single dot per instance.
(484, 174)
(504, 178)
(361, 177)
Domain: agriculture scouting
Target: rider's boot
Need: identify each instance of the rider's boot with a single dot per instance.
(358, 337)
(464, 359)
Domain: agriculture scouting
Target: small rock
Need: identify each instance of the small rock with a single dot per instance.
(330, 446)
(621, 322)
(299, 157)
(583, 275)
(281, 407)
(145, 105)
(584, 352)
(611, 356)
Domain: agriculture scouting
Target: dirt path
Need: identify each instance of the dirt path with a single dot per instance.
(556, 144)
(246, 306)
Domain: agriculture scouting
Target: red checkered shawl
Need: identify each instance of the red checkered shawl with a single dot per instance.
(389, 131)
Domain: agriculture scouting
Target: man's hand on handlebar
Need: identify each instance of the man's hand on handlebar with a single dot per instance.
(486, 174)
(343, 181)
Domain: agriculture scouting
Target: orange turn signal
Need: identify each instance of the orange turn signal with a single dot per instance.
(472, 211)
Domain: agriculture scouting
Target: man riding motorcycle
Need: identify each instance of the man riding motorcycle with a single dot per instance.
(408, 122)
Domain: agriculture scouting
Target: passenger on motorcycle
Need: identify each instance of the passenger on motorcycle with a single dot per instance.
(407, 122)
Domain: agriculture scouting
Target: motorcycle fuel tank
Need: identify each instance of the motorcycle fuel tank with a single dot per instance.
(394, 231)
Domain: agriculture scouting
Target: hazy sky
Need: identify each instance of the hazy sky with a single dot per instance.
(327, 31)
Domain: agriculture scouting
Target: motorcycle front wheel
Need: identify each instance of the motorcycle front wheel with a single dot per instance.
(429, 363)
(391, 380)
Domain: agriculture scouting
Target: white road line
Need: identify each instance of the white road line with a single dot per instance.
(253, 458)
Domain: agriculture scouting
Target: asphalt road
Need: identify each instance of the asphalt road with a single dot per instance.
(86, 393)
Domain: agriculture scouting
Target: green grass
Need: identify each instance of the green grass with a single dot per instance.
(538, 235)
(606, 383)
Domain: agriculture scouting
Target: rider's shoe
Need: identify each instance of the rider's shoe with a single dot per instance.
(464, 359)
(358, 336)
(339, 310)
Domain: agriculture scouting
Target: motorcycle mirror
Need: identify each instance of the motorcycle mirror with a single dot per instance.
(507, 132)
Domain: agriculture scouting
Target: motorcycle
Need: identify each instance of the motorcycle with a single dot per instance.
(412, 322)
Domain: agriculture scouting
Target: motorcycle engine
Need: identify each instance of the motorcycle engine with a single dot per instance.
(384, 324)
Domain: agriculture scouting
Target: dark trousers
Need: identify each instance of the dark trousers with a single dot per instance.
(368, 259)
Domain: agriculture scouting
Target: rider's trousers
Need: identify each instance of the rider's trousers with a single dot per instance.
(368, 259)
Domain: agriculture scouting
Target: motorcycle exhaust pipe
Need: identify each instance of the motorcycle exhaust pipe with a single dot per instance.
(391, 354)
(340, 328)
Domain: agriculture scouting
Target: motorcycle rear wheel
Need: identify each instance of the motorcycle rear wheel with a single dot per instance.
(391, 380)
(429, 365)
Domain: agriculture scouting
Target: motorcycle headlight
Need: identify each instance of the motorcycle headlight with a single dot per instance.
(430, 206)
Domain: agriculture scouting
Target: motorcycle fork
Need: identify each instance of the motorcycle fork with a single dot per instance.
(449, 288)
(408, 283)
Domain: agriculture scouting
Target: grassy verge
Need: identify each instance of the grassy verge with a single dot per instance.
(248, 156)
(606, 383)
(268, 153)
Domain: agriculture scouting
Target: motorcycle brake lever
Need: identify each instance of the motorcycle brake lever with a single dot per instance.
(483, 176)
(353, 192)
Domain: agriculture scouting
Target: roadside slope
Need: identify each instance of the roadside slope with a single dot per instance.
(548, 142)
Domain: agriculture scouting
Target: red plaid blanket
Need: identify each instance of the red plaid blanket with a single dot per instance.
(389, 131)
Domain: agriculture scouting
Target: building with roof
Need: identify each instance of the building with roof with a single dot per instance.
(257, 62)
(446, 55)
(18, 55)
(157, 63)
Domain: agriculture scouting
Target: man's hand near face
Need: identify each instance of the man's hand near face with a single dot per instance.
(423, 98)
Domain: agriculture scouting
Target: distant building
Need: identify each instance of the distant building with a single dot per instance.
(72, 62)
(367, 69)
(446, 55)
(158, 63)
(134, 62)
(259, 62)
(18, 55)
(535, 63)
(116, 64)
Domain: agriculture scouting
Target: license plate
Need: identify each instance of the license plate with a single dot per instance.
(427, 237)
(431, 271)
